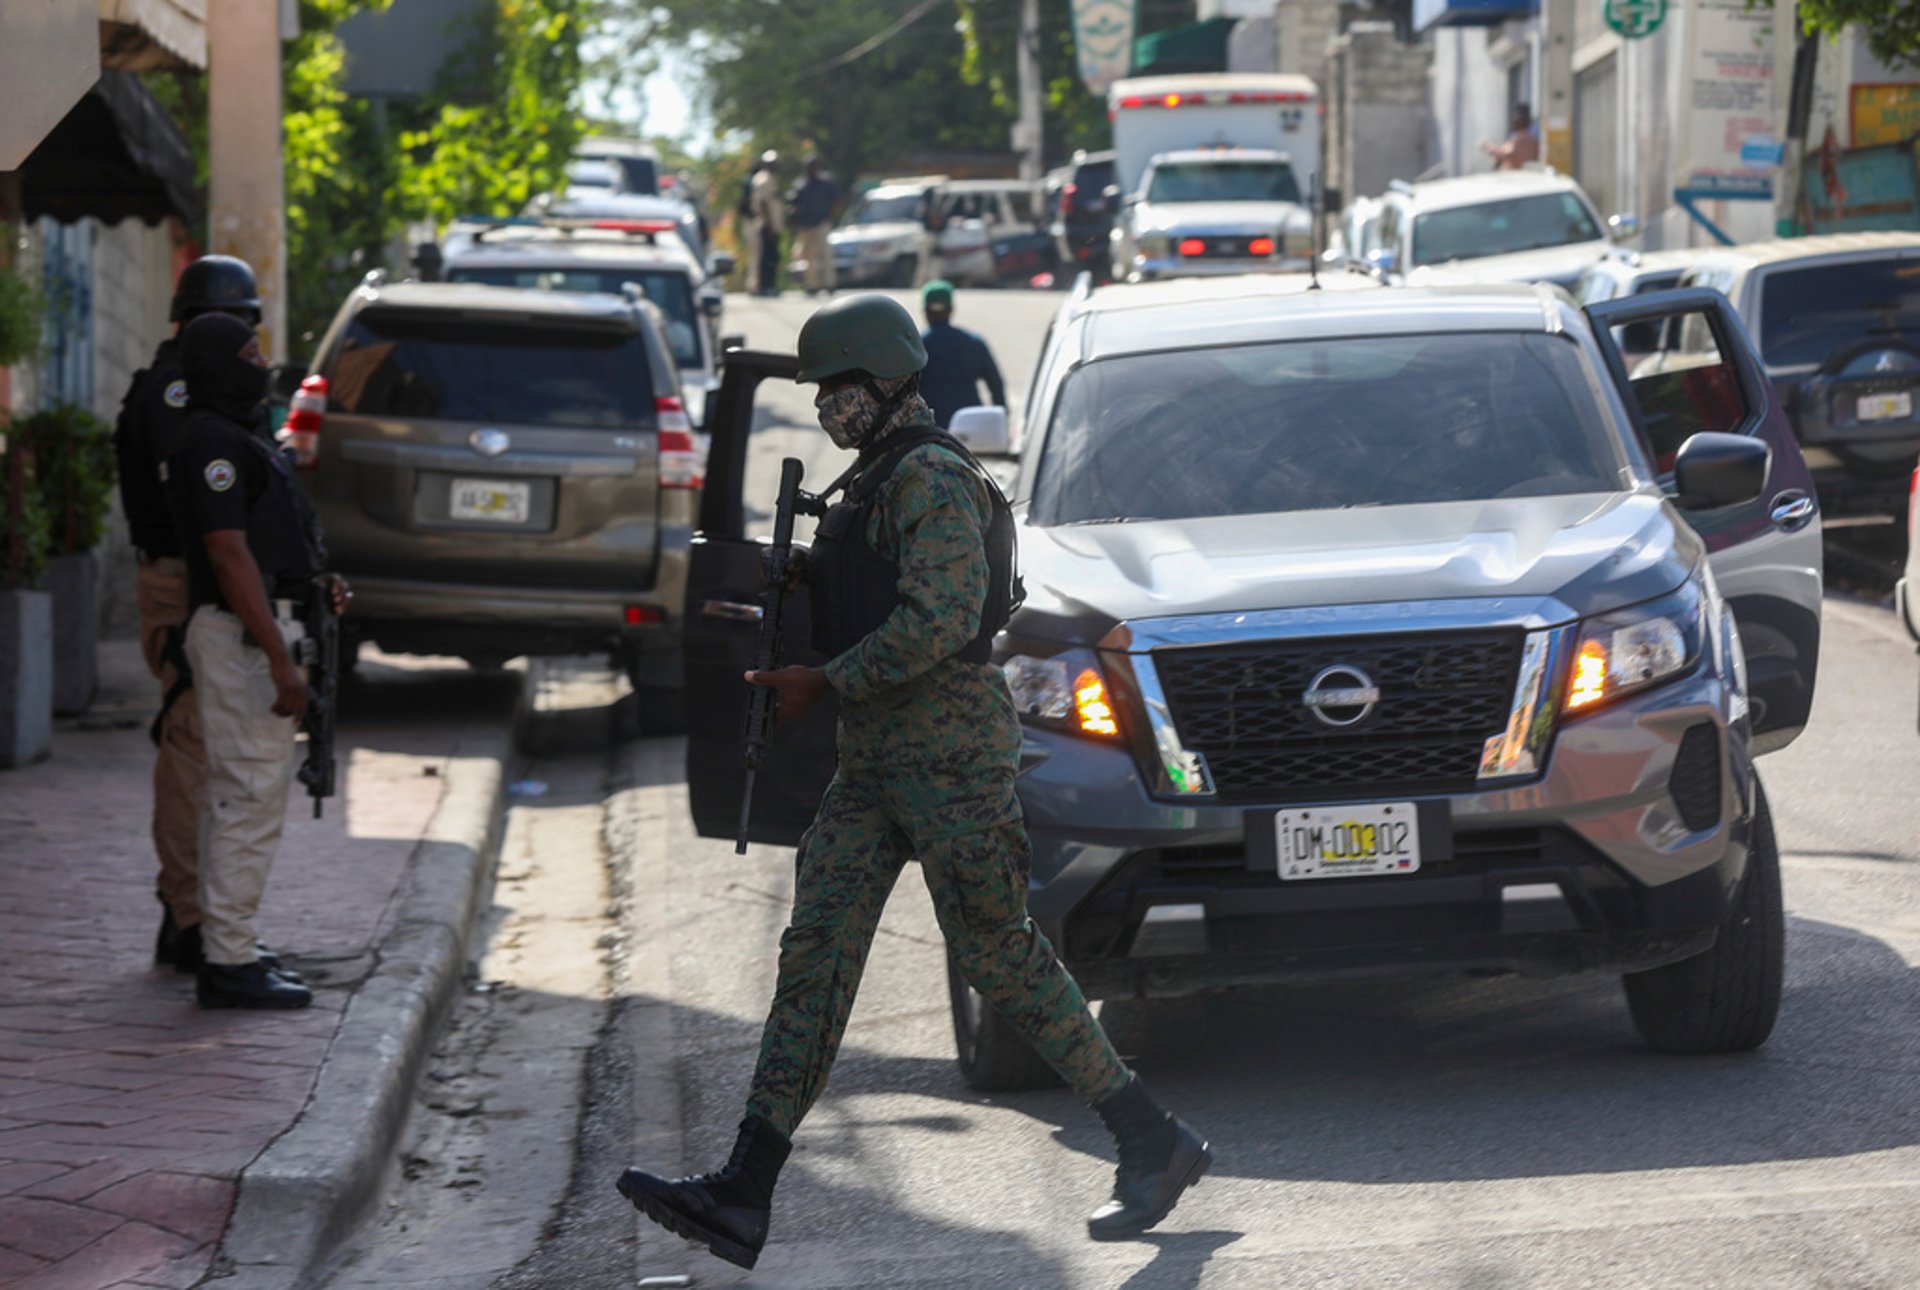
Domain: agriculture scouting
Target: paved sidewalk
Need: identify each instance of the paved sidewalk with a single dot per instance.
(128, 1115)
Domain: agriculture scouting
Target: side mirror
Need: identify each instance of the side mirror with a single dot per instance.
(712, 305)
(982, 431)
(1713, 470)
(724, 264)
(1622, 227)
(732, 342)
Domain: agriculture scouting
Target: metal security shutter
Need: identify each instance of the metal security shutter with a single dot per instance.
(1596, 132)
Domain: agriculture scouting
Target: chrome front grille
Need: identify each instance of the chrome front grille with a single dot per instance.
(1441, 695)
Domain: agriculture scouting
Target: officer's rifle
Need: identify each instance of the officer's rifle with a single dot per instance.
(320, 651)
(763, 700)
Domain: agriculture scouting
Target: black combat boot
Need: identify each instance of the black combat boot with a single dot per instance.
(727, 1211)
(1160, 1157)
(188, 955)
(167, 944)
(248, 985)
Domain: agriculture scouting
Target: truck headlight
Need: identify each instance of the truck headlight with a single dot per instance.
(1066, 691)
(1632, 649)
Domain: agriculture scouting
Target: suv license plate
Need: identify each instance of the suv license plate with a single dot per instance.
(494, 500)
(1886, 407)
(1348, 841)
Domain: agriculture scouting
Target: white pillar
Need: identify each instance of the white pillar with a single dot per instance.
(247, 198)
(1028, 65)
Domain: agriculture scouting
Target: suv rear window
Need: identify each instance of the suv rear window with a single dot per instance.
(1501, 228)
(1316, 425)
(1808, 315)
(431, 365)
(665, 288)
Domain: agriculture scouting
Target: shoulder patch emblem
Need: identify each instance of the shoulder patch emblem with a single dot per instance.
(220, 475)
(176, 395)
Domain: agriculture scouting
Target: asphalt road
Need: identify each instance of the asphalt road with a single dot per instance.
(1419, 1133)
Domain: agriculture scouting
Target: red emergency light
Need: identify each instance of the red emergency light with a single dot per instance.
(1192, 246)
(1260, 246)
(635, 225)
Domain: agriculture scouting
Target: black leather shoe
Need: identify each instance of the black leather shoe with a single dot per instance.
(726, 1211)
(248, 985)
(189, 953)
(166, 944)
(1160, 1157)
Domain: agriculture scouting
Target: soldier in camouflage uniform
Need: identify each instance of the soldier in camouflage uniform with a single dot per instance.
(928, 749)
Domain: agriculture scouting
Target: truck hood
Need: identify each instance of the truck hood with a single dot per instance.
(1223, 217)
(1561, 265)
(1592, 551)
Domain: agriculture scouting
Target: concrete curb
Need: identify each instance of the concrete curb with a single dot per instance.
(308, 1191)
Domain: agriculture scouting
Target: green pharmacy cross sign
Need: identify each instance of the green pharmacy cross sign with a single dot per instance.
(1635, 18)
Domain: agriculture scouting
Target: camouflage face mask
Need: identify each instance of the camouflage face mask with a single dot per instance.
(848, 414)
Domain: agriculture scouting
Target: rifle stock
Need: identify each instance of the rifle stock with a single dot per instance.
(763, 701)
(321, 653)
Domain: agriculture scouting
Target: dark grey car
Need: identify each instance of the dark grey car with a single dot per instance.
(1379, 630)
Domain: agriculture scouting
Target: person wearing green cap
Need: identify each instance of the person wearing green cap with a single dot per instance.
(912, 576)
(958, 361)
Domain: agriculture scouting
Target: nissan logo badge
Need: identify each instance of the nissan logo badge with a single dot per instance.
(489, 442)
(1341, 695)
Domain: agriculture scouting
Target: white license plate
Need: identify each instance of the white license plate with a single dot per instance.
(1348, 841)
(1886, 407)
(495, 500)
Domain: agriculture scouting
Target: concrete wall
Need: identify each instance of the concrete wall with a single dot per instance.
(1305, 29)
(1377, 124)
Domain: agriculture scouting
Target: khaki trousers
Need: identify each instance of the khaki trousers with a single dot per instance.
(249, 766)
(180, 765)
(811, 245)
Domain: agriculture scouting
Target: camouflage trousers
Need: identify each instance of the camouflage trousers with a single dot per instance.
(847, 865)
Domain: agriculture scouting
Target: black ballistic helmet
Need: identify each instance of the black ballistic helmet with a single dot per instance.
(216, 284)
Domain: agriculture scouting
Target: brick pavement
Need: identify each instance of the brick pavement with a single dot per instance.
(126, 1113)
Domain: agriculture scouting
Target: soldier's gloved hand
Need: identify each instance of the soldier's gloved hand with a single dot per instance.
(796, 567)
(289, 690)
(799, 689)
(339, 591)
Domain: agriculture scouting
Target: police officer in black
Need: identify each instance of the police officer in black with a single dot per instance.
(254, 556)
(150, 418)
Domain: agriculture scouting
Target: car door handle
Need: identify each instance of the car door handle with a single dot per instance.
(733, 611)
(1792, 509)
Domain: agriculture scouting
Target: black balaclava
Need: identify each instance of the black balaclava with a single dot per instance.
(217, 377)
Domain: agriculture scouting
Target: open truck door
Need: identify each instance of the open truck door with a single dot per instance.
(722, 617)
(1685, 366)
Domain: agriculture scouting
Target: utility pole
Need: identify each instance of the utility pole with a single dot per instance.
(246, 197)
(1028, 134)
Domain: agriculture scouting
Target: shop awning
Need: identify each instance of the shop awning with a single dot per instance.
(153, 35)
(116, 154)
(1196, 47)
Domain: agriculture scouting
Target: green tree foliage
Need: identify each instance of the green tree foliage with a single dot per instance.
(867, 83)
(73, 467)
(492, 156)
(1892, 27)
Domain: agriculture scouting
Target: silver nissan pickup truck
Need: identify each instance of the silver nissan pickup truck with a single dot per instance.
(1399, 630)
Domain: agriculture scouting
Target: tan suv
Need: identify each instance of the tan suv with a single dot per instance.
(505, 472)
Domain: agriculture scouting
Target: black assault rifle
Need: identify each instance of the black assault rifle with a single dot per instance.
(320, 651)
(762, 700)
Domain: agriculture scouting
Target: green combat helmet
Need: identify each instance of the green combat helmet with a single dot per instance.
(867, 333)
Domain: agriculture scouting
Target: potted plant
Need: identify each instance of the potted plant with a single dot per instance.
(74, 470)
(26, 615)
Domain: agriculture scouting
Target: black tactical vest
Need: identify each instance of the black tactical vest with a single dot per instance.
(854, 589)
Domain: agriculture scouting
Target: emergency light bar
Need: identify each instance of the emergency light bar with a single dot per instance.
(1212, 98)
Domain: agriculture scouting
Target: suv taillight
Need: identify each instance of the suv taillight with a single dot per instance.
(681, 461)
(305, 416)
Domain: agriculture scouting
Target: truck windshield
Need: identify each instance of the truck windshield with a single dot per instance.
(1501, 228)
(665, 288)
(430, 365)
(1223, 181)
(885, 210)
(1315, 425)
(1808, 315)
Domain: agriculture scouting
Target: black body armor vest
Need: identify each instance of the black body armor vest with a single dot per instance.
(854, 589)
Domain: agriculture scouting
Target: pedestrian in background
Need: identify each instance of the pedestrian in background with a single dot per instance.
(151, 415)
(1522, 145)
(912, 576)
(958, 361)
(254, 556)
(763, 200)
(814, 200)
